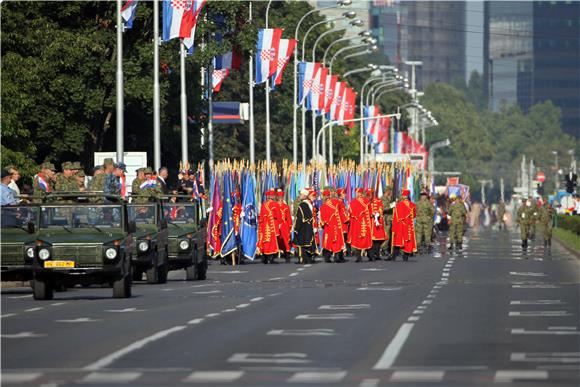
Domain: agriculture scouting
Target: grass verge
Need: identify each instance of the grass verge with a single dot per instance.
(567, 238)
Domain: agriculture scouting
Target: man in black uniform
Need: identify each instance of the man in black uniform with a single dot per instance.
(304, 228)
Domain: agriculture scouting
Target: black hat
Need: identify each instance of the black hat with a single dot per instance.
(5, 173)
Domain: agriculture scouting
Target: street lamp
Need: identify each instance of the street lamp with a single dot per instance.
(557, 177)
(354, 23)
(374, 48)
(365, 35)
(368, 67)
(436, 145)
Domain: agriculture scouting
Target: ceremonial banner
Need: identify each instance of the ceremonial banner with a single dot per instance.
(249, 224)
(227, 232)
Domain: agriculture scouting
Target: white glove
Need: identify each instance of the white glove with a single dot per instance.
(242, 214)
(377, 220)
(523, 215)
(393, 205)
(449, 217)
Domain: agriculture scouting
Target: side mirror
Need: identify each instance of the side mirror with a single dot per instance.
(30, 228)
(132, 227)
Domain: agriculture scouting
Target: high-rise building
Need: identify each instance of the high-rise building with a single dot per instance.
(387, 20)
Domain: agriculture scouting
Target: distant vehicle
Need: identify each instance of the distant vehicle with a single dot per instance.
(186, 243)
(19, 226)
(82, 243)
(150, 248)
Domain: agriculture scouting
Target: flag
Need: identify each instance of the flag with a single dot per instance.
(342, 105)
(318, 90)
(213, 238)
(43, 184)
(268, 45)
(336, 101)
(307, 71)
(128, 12)
(285, 51)
(227, 233)
(249, 224)
(149, 183)
(329, 92)
(218, 77)
(178, 19)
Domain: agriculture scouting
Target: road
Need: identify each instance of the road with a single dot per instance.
(488, 315)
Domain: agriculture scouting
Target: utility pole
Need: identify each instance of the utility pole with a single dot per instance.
(483, 184)
(531, 177)
(119, 116)
(414, 116)
(156, 92)
(251, 95)
(525, 183)
(556, 174)
(436, 145)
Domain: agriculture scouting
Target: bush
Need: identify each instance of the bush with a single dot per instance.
(569, 222)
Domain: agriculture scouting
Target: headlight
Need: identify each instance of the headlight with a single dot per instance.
(44, 254)
(143, 246)
(184, 245)
(111, 253)
(30, 252)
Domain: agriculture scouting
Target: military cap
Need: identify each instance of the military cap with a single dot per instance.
(122, 166)
(66, 165)
(139, 170)
(148, 171)
(81, 173)
(76, 166)
(97, 168)
(47, 165)
(108, 161)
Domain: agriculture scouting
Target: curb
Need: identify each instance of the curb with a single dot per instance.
(571, 250)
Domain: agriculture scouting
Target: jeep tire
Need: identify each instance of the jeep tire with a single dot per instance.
(122, 287)
(42, 290)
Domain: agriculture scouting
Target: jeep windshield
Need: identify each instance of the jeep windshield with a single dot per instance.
(142, 213)
(18, 216)
(84, 216)
(180, 213)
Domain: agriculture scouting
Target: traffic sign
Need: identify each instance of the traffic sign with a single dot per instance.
(541, 177)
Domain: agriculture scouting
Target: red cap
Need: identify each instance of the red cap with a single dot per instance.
(280, 193)
(326, 193)
(370, 192)
(311, 192)
(270, 193)
(406, 192)
(340, 191)
(359, 190)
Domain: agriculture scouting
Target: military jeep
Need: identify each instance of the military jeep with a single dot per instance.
(186, 248)
(17, 239)
(83, 244)
(150, 253)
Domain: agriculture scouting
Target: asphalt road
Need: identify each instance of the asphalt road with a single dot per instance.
(488, 315)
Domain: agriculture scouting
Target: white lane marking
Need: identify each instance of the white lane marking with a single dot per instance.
(434, 291)
(388, 357)
(427, 302)
(275, 294)
(34, 309)
(535, 286)
(212, 315)
(17, 297)
(292, 274)
(431, 296)
(302, 332)
(418, 311)
(208, 292)
(126, 310)
(79, 320)
(445, 274)
(8, 315)
(276, 279)
(58, 303)
(344, 307)
(372, 269)
(537, 302)
(309, 265)
(527, 274)
(241, 306)
(449, 265)
(546, 357)
(21, 335)
(109, 359)
(214, 376)
(228, 310)
(275, 358)
(421, 307)
(437, 287)
(562, 328)
(317, 377)
(335, 316)
(369, 383)
(111, 377)
(522, 331)
(382, 289)
(300, 269)
(414, 318)
(195, 321)
(540, 313)
(417, 376)
(256, 299)
(227, 272)
(508, 376)
(288, 369)
(446, 269)
(14, 377)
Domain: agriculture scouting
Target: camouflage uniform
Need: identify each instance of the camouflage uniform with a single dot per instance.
(37, 191)
(63, 183)
(424, 227)
(501, 214)
(524, 216)
(545, 222)
(457, 214)
(149, 192)
(388, 214)
(135, 185)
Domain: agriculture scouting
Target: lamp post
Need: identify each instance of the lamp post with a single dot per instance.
(436, 145)
(369, 67)
(366, 52)
(365, 35)
(374, 48)
(267, 91)
(557, 176)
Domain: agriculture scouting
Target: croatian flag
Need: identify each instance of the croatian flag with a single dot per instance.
(268, 45)
(369, 111)
(217, 78)
(316, 90)
(188, 42)
(285, 51)
(336, 100)
(43, 184)
(149, 183)
(128, 12)
(307, 71)
(319, 101)
(178, 19)
(342, 106)
(329, 91)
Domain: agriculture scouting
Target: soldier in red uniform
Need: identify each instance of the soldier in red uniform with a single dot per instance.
(285, 226)
(403, 232)
(345, 216)
(237, 218)
(331, 222)
(378, 234)
(269, 229)
(360, 230)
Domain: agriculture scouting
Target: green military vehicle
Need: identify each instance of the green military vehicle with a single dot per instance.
(83, 243)
(150, 252)
(186, 245)
(19, 225)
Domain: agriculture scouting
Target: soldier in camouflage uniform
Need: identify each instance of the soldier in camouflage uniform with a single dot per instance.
(457, 215)
(545, 216)
(65, 180)
(152, 190)
(46, 176)
(140, 179)
(388, 205)
(425, 216)
(535, 209)
(524, 216)
(98, 183)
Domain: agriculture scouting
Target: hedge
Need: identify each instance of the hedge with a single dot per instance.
(569, 222)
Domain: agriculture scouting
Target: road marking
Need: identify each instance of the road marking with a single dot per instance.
(276, 279)
(111, 377)
(392, 351)
(302, 332)
(308, 265)
(437, 287)
(431, 296)
(418, 311)
(257, 299)
(546, 357)
(17, 297)
(537, 302)
(275, 358)
(275, 294)
(300, 269)
(8, 315)
(126, 310)
(540, 313)
(417, 376)
(214, 376)
(228, 310)
(369, 383)
(562, 328)
(535, 286)
(109, 359)
(11, 377)
(427, 302)
(372, 269)
(527, 274)
(195, 321)
(509, 376)
(448, 265)
(335, 316)
(79, 320)
(33, 309)
(58, 303)
(317, 377)
(382, 289)
(421, 307)
(21, 335)
(241, 306)
(445, 274)
(208, 292)
(414, 318)
(292, 274)
(446, 269)
(434, 291)
(522, 331)
(212, 314)
(227, 272)
(344, 307)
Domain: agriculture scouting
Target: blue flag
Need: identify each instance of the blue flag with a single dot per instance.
(228, 238)
(249, 224)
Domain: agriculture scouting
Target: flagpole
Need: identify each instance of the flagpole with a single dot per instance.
(267, 90)
(210, 115)
(156, 93)
(251, 95)
(184, 156)
(119, 116)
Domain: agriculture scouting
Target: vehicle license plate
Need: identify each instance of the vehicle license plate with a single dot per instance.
(59, 264)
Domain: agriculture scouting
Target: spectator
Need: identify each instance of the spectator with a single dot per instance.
(15, 174)
(6, 193)
(162, 180)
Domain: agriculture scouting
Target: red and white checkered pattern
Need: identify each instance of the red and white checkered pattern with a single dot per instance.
(181, 4)
(268, 54)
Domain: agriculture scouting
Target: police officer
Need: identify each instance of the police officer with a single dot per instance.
(425, 216)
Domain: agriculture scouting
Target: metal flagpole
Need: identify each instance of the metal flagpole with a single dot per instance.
(119, 117)
(251, 95)
(330, 147)
(209, 115)
(184, 156)
(156, 93)
(267, 90)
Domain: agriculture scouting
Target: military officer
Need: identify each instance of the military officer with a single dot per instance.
(43, 181)
(388, 206)
(457, 215)
(545, 216)
(80, 180)
(524, 216)
(64, 181)
(304, 227)
(501, 214)
(331, 222)
(98, 183)
(360, 225)
(377, 225)
(425, 217)
(136, 184)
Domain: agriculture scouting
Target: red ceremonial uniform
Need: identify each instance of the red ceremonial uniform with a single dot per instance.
(360, 229)
(344, 215)
(269, 228)
(285, 226)
(331, 222)
(403, 228)
(377, 220)
(236, 214)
